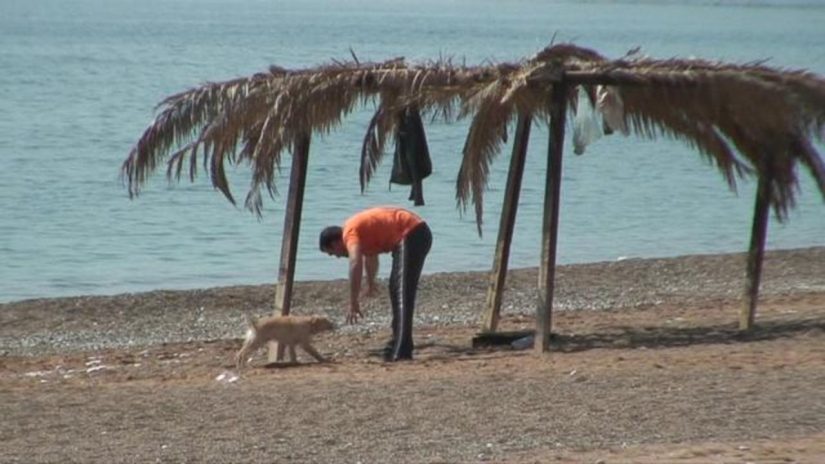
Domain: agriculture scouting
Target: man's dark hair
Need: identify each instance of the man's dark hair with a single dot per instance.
(328, 236)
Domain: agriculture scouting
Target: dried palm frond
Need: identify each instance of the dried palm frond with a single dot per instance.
(492, 113)
(269, 112)
(745, 119)
(381, 124)
(183, 115)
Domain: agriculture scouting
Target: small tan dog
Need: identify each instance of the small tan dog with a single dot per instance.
(286, 330)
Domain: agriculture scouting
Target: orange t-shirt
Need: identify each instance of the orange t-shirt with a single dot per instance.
(379, 230)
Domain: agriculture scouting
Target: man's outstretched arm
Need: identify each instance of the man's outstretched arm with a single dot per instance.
(371, 265)
(356, 270)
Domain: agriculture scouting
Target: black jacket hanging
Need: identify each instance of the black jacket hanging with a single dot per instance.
(411, 163)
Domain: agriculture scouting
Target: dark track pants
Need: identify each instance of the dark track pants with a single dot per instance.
(407, 261)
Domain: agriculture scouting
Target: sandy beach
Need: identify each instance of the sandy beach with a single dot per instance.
(647, 365)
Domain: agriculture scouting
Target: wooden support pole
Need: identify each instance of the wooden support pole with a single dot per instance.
(498, 274)
(289, 241)
(550, 225)
(759, 233)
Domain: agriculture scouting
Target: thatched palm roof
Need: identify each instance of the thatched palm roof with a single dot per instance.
(747, 118)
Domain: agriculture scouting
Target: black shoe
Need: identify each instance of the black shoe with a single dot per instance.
(387, 353)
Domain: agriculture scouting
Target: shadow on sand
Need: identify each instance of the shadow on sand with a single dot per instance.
(296, 364)
(665, 337)
(624, 337)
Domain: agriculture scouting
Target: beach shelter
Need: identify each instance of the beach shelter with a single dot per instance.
(750, 120)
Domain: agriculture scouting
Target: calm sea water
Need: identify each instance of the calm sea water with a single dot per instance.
(79, 81)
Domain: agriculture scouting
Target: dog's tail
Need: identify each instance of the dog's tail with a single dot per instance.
(248, 343)
(251, 322)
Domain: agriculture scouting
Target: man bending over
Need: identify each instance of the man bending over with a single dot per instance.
(362, 238)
